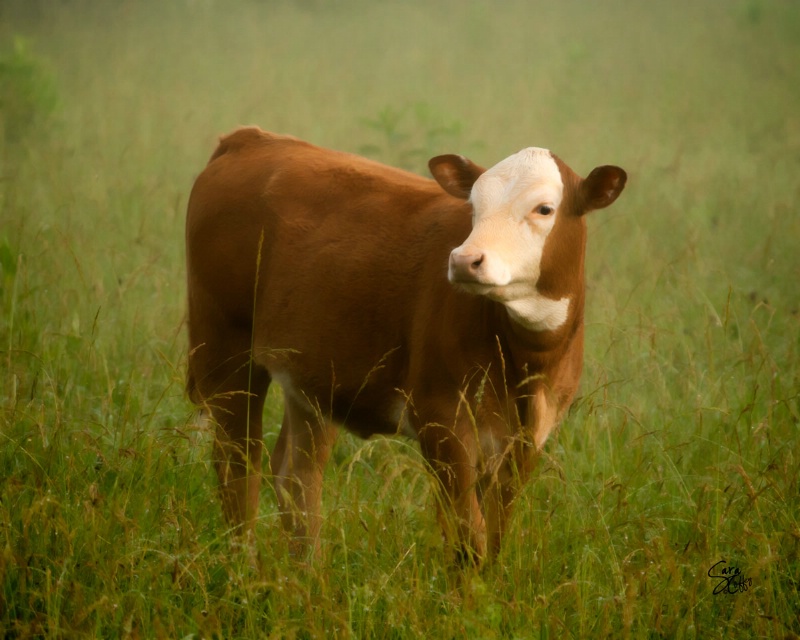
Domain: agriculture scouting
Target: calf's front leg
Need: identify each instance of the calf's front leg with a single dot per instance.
(451, 452)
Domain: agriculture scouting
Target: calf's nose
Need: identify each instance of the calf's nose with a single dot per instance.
(465, 267)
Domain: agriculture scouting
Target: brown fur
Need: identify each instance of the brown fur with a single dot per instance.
(331, 270)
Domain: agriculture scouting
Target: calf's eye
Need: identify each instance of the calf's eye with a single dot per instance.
(544, 209)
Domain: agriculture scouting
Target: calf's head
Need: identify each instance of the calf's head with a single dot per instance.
(527, 229)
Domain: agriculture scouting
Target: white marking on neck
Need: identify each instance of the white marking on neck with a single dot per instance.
(537, 313)
(545, 416)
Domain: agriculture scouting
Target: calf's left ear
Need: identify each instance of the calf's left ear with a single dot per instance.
(602, 186)
(455, 174)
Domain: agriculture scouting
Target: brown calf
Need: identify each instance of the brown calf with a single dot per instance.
(385, 302)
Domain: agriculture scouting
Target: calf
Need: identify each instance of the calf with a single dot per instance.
(385, 302)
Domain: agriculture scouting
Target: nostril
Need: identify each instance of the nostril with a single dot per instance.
(466, 267)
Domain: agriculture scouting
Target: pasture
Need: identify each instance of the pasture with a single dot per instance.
(680, 451)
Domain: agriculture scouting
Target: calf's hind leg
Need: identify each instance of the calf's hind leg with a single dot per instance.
(303, 448)
(237, 455)
(223, 380)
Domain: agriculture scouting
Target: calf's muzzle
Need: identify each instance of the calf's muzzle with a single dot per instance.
(465, 267)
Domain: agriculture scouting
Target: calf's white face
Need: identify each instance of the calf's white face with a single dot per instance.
(515, 206)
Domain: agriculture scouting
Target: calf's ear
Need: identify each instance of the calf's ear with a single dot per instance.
(455, 174)
(602, 186)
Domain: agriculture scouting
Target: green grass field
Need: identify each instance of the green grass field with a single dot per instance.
(681, 450)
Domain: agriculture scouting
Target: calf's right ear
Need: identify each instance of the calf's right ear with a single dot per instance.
(455, 174)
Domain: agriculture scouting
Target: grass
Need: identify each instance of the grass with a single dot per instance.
(681, 450)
